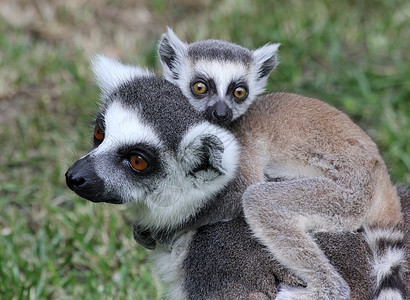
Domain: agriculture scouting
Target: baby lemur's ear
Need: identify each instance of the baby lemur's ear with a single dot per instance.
(265, 59)
(110, 73)
(171, 50)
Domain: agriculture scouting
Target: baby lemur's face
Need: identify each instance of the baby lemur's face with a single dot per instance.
(221, 89)
(220, 79)
(152, 149)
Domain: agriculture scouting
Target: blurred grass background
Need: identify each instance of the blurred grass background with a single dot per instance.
(53, 245)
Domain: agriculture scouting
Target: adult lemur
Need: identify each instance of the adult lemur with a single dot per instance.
(327, 173)
(152, 149)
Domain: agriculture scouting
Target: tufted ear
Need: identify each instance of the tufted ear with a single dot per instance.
(202, 157)
(209, 152)
(110, 73)
(171, 51)
(265, 59)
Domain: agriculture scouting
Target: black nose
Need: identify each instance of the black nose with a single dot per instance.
(220, 112)
(220, 116)
(73, 181)
(82, 179)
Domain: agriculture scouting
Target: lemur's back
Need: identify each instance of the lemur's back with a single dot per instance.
(289, 136)
(224, 261)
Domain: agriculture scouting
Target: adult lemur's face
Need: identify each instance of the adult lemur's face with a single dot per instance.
(151, 148)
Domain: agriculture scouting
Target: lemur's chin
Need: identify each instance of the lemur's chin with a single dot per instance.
(97, 197)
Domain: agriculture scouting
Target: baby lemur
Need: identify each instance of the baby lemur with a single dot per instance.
(152, 149)
(219, 79)
(324, 172)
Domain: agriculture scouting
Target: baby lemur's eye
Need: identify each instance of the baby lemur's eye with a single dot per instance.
(138, 163)
(199, 88)
(98, 133)
(240, 93)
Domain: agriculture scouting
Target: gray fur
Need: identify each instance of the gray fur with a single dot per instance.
(219, 50)
(224, 261)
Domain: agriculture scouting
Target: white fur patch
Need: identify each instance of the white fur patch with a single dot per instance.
(375, 234)
(124, 127)
(293, 293)
(222, 72)
(389, 294)
(168, 264)
(383, 265)
(384, 262)
(110, 73)
(290, 171)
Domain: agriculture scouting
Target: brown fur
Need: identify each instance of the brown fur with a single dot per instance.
(330, 177)
(289, 129)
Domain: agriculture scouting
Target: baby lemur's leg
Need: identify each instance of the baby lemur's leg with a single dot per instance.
(280, 215)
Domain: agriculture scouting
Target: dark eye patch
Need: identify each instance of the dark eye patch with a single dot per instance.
(148, 153)
(209, 82)
(234, 84)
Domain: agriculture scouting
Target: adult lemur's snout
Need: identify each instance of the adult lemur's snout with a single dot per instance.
(82, 179)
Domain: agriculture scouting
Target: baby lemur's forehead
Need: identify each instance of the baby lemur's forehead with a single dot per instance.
(218, 50)
(159, 104)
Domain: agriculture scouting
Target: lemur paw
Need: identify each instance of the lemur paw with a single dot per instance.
(298, 293)
(143, 237)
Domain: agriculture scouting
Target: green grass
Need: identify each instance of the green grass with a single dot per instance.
(54, 245)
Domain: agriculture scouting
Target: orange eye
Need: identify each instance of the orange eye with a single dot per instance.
(240, 93)
(98, 133)
(199, 88)
(138, 163)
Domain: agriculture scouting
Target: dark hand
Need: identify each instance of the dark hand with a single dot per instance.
(143, 237)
